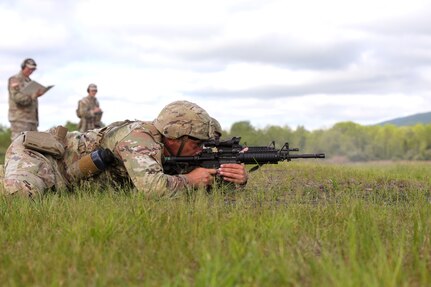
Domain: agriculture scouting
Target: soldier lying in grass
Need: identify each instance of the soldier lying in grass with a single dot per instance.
(127, 153)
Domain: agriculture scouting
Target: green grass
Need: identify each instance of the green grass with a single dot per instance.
(4, 143)
(295, 224)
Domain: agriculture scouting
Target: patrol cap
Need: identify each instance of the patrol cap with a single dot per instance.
(92, 87)
(29, 63)
(182, 118)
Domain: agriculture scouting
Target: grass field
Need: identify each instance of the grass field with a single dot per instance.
(295, 224)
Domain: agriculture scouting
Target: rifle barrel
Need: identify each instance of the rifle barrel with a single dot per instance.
(307, 155)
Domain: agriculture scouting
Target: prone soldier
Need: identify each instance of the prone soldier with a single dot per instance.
(127, 153)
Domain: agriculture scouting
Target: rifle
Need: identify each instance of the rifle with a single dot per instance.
(216, 153)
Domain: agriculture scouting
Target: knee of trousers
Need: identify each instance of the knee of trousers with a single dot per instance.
(26, 185)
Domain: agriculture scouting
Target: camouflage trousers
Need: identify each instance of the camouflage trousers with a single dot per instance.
(17, 128)
(30, 173)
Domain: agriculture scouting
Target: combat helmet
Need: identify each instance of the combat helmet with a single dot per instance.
(216, 130)
(182, 118)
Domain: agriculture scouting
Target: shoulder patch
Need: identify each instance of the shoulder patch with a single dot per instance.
(14, 82)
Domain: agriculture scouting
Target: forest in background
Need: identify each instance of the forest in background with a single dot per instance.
(345, 141)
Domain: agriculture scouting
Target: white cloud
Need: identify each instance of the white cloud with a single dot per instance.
(310, 63)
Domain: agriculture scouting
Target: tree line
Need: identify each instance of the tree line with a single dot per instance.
(346, 140)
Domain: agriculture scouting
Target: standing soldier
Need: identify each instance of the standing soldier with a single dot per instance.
(89, 111)
(23, 108)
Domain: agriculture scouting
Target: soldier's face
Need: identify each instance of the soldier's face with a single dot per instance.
(28, 71)
(191, 147)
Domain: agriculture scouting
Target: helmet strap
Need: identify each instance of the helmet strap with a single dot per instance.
(183, 142)
(180, 149)
(167, 146)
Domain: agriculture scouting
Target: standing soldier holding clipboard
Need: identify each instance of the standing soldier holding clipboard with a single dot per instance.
(23, 101)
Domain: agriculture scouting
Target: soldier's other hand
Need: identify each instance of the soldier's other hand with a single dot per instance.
(201, 177)
(233, 172)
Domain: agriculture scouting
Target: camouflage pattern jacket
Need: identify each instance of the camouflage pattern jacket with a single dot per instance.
(22, 107)
(88, 119)
(137, 148)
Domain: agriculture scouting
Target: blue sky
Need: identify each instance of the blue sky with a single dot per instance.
(274, 62)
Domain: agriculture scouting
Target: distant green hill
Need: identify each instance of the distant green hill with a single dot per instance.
(422, 118)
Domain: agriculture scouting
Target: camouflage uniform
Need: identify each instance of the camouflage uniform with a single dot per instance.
(88, 119)
(23, 108)
(137, 147)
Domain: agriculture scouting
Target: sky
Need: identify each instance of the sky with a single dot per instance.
(273, 62)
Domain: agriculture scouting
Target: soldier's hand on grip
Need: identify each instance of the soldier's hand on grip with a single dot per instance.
(201, 177)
